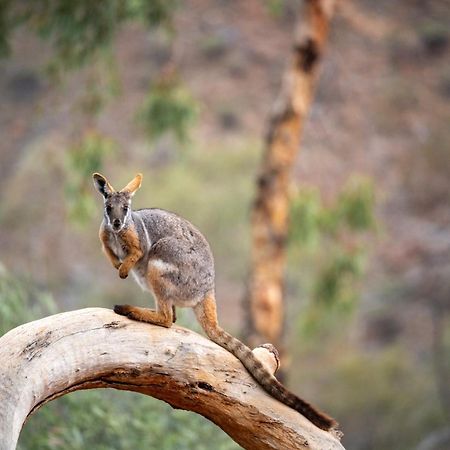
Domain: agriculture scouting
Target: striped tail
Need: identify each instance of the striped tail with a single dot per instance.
(267, 381)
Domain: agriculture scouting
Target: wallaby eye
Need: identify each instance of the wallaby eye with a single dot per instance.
(108, 209)
(125, 209)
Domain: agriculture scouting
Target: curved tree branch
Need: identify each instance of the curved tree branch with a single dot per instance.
(95, 348)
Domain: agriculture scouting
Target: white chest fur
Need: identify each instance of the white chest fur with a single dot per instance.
(141, 279)
(117, 246)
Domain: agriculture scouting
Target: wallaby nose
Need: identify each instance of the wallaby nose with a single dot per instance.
(116, 223)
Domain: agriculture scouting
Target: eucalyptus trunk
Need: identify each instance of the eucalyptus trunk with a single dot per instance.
(264, 298)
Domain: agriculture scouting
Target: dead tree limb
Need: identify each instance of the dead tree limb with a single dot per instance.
(270, 211)
(95, 348)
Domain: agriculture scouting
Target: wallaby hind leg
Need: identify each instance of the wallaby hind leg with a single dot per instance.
(165, 311)
(163, 316)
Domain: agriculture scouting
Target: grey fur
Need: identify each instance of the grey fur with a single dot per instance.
(179, 245)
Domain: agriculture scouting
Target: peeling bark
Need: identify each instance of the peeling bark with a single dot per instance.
(270, 211)
(94, 348)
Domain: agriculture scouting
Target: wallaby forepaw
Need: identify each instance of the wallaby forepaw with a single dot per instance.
(123, 310)
(117, 265)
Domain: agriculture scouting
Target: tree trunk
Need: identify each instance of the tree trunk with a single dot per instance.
(270, 211)
(95, 348)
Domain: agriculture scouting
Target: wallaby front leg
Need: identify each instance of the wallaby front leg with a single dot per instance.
(128, 263)
(132, 245)
(108, 252)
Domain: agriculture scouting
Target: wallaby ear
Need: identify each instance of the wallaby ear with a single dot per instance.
(133, 185)
(102, 184)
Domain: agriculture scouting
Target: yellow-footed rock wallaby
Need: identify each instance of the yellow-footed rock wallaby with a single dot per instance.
(168, 256)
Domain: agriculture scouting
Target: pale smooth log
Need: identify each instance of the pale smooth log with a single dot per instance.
(95, 348)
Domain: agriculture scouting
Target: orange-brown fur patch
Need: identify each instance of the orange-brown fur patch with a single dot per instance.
(208, 314)
(103, 235)
(162, 317)
(130, 239)
(210, 309)
(158, 284)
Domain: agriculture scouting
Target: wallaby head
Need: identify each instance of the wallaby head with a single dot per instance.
(117, 204)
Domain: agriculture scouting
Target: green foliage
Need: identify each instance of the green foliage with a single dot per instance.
(81, 161)
(327, 239)
(100, 420)
(353, 211)
(110, 420)
(79, 30)
(306, 215)
(82, 32)
(335, 282)
(356, 205)
(168, 107)
(333, 292)
(154, 12)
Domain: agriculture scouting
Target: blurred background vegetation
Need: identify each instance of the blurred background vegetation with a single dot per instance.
(180, 90)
